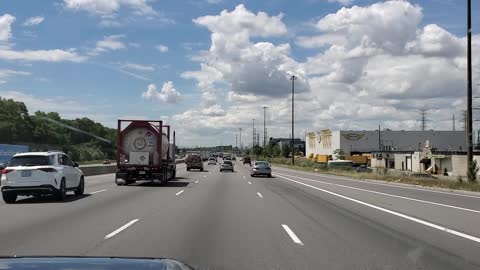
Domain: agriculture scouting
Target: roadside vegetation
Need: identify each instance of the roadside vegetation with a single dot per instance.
(48, 131)
(310, 166)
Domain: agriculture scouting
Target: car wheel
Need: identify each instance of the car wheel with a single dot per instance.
(252, 175)
(269, 175)
(201, 170)
(9, 197)
(81, 187)
(62, 193)
(188, 169)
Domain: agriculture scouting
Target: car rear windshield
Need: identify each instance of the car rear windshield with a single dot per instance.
(29, 161)
(261, 164)
(227, 162)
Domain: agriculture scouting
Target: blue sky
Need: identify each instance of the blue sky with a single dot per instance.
(108, 82)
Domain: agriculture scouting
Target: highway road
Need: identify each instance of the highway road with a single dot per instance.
(213, 220)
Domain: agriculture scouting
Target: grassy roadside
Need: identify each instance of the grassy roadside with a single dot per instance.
(306, 165)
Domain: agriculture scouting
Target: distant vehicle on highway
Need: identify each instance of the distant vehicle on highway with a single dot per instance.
(37, 173)
(226, 158)
(261, 168)
(227, 165)
(212, 161)
(194, 161)
(247, 160)
(234, 158)
(106, 161)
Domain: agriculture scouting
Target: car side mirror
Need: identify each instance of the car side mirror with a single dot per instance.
(76, 165)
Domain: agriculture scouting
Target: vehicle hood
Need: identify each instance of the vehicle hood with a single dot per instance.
(91, 263)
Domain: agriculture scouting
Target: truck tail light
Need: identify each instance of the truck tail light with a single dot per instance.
(5, 171)
(47, 170)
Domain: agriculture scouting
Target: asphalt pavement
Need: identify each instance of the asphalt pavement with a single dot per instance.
(213, 220)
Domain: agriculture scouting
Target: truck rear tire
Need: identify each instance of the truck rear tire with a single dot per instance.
(201, 169)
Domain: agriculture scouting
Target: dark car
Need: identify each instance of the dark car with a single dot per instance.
(247, 160)
(84, 263)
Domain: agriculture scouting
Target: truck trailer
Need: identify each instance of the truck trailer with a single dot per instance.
(144, 152)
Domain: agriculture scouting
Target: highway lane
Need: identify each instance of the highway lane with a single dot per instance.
(215, 220)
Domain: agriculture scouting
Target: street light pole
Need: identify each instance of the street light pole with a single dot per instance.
(240, 130)
(293, 78)
(264, 127)
(253, 133)
(469, 86)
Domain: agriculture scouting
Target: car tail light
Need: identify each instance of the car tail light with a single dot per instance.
(47, 170)
(5, 171)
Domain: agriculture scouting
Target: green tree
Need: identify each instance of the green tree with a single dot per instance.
(276, 151)
(472, 172)
(285, 151)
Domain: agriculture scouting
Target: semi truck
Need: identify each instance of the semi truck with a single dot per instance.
(145, 152)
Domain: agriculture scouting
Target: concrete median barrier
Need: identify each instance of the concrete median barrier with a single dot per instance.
(89, 170)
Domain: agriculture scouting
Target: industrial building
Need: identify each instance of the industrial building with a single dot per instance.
(326, 141)
(299, 144)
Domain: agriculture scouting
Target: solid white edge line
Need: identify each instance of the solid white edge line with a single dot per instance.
(110, 235)
(367, 181)
(196, 182)
(259, 194)
(420, 221)
(249, 183)
(180, 192)
(292, 235)
(98, 191)
(386, 194)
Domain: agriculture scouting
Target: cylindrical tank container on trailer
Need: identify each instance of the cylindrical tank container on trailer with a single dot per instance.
(144, 152)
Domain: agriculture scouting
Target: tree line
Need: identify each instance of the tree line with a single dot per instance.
(41, 129)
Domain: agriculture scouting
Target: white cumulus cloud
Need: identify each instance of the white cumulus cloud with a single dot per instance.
(167, 94)
(109, 43)
(6, 27)
(162, 48)
(33, 21)
(109, 7)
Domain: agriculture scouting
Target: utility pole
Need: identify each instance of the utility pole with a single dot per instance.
(469, 86)
(236, 140)
(240, 130)
(423, 119)
(264, 127)
(293, 78)
(453, 122)
(253, 134)
(464, 120)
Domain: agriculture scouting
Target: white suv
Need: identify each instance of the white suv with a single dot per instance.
(37, 173)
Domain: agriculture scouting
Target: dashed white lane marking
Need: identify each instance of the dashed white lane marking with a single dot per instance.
(112, 234)
(249, 183)
(420, 221)
(384, 184)
(98, 191)
(196, 182)
(292, 235)
(204, 176)
(244, 177)
(180, 192)
(386, 194)
(259, 194)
